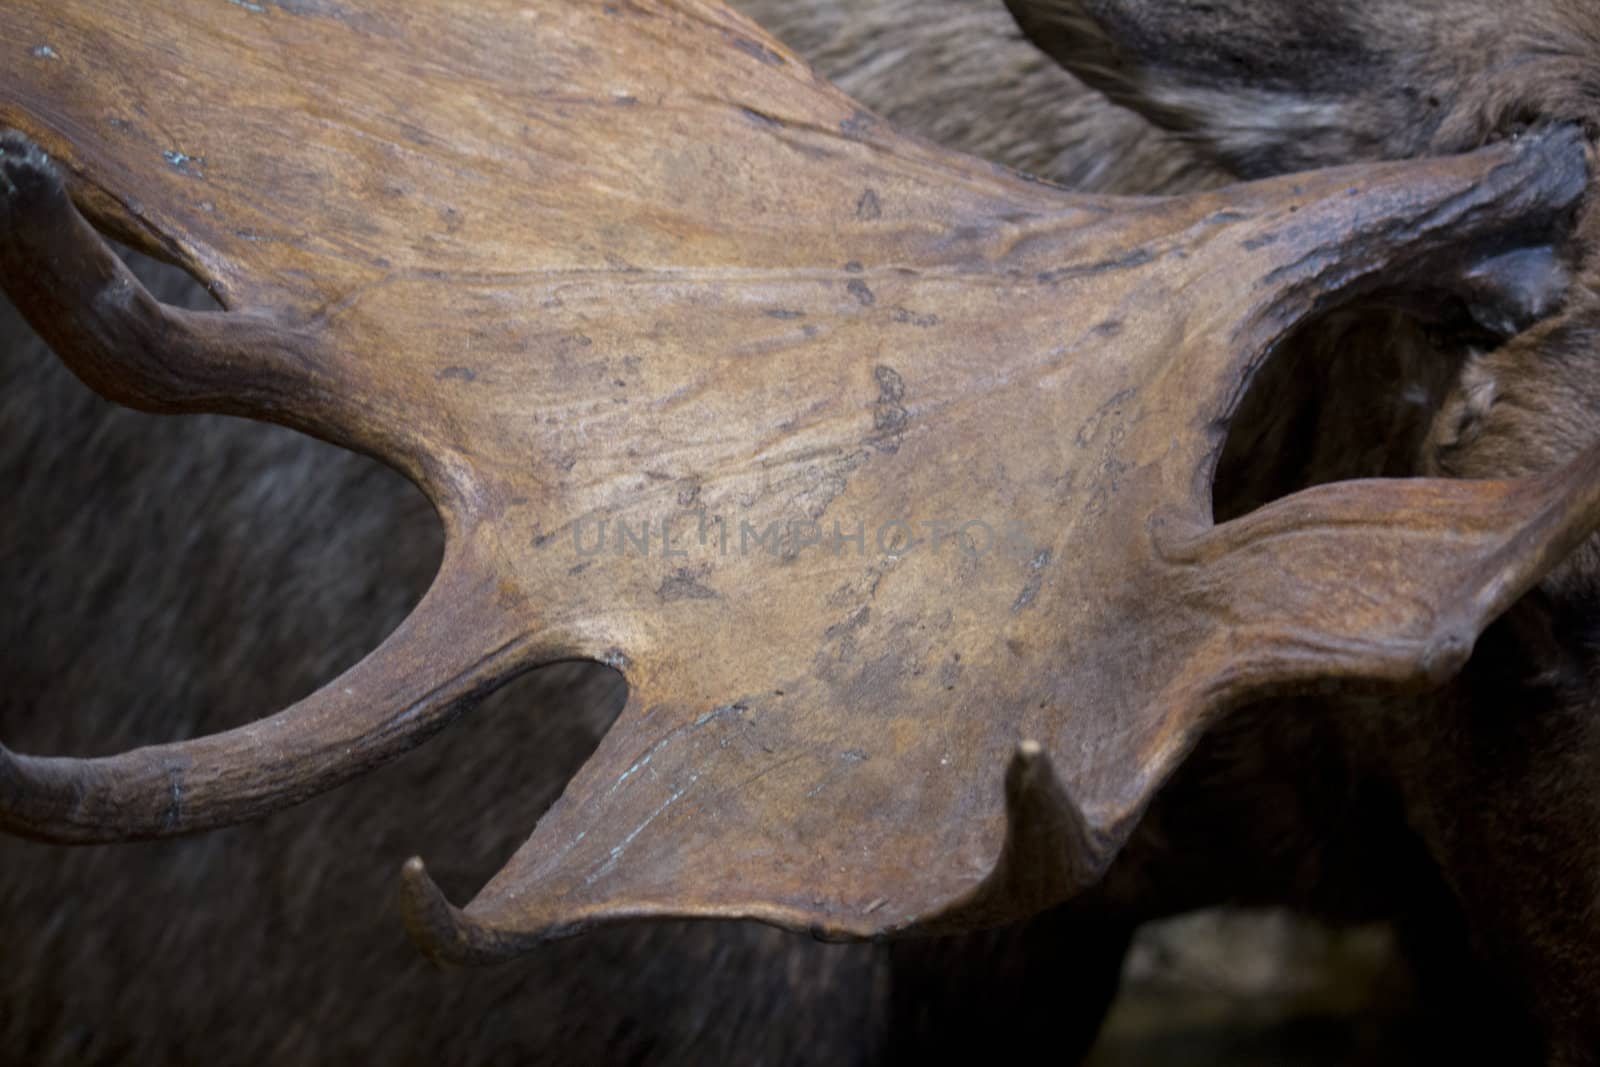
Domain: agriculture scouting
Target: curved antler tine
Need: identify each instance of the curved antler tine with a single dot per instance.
(448, 652)
(1565, 513)
(1050, 851)
(443, 932)
(123, 342)
(1381, 579)
(1443, 221)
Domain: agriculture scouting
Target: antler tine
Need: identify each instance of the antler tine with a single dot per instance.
(411, 687)
(1050, 851)
(123, 342)
(1047, 845)
(1566, 513)
(442, 931)
(132, 348)
(1491, 542)
(1458, 237)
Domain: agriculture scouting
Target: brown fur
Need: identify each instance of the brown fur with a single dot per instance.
(1266, 88)
(958, 72)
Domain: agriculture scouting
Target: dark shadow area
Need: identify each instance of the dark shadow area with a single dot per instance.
(1348, 394)
(171, 576)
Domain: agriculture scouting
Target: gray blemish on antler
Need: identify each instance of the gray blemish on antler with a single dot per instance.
(857, 619)
(1110, 410)
(622, 846)
(757, 49)
(859, 124)
(1030, 590)
(907, 317)
(1136, 258)
(720, 712)
(174, 814)
(184, 163)
(889, 413)
(847, 759)
(715, 714)
(685, 585)
(761, 118)
(322, 8)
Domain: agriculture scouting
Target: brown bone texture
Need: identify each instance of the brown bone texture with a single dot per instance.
(902, 461)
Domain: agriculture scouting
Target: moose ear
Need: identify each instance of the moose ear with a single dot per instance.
(1268, 86)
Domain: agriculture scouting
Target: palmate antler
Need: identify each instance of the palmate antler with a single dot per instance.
(882, 475)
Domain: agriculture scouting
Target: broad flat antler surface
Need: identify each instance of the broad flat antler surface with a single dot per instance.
(629, 273)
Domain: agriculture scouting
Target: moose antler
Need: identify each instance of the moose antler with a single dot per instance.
(898, 465)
